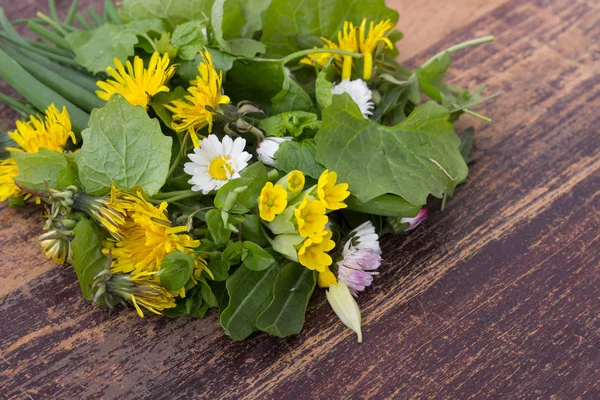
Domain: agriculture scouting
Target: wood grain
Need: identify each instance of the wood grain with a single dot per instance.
(497, 297)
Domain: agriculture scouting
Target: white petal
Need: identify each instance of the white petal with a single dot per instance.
(227, 146)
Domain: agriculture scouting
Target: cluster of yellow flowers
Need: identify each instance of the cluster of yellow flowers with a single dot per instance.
(141, 238)
(191, 113)
(354, 39)
(51, 132)
(299, 219)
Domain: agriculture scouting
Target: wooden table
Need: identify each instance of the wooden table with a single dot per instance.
(497, 297)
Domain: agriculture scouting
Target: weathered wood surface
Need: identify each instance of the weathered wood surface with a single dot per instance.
(497, 297)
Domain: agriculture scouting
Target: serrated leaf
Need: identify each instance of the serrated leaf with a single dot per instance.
(190, 38)
(159, 100)
(293, 288)
(88, 260)
(250, 292)
(416, 158)
(96, 49)
(291, 123)
(123, 145)
(172, 12)
(301, 156)
(287, 21)
(43, 170)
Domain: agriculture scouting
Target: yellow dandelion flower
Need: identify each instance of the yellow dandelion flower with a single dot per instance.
(196, 110)
(321, 59)
(51, 132)
(326, 278)
(347, 41)
(8, 172)
(313, 252)
(368, 42)
(137, 84)
(142, 290)
(109, 211)
(295, 181)
(146, 237)
(272, 201)
(310, 216)
(332, 196)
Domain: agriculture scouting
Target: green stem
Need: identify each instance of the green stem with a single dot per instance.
(92, 13)
(54, 24)
(84, 24)
(272, 175)
(460, 46)
(166, 195)
(53, 13)
(17, 105)
(303, 53)
(45, 53)
(59, 41)
(111, 12)
(474, 114)
(48, 47)
(149, 39)
(72, 12)
(175, 164)
(188, 194)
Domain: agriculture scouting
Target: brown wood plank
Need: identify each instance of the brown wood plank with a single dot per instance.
(497, 297)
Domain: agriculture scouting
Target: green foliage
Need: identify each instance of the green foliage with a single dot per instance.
(172, 12)
(300, 156)
(159, 101)
(289, 23)
(96, 49)
(217, 227)
(189, 38)
(88, 259)
(255, 258)
(293, 288)
(406, 160)
(250, 292)
(176, 270)
(291, 123)
(467, 137)
(43, 170)
(240, 195)
(123, 145)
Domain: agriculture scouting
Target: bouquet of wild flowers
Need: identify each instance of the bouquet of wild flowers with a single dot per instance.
(236, 155)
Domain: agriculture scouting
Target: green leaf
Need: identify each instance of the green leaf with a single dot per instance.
(267, 85)
(467, 137)
(208, 295)
(188, 70)
(159, 101)
(292, 123)
(324, 84)
(406, 160)
(250, 292)
(219, 268)
(122, 145)
(217, 16)
(43, 170)
(387, 205)
(176, 270)
(88, 259)
(189, 37)
(288, 22)
(172, 12)
(240, 195)
(299, 155)
(232, 255)
(256, 258)
(252, 230)
(96, 49)
(245, 47)
(216, 227)
(293, 288)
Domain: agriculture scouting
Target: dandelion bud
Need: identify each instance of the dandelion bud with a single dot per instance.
(267, 148)
(343, 304)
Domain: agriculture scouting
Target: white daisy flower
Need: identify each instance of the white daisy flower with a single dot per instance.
(267, 148)
(215, 163)
(360, 93)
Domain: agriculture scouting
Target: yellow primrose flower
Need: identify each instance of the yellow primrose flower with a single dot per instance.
(196, 110)
(137, 84)
(146, 237)
(51, 132)
(8, 172)
(347, 41)
(326, 278)
(272, 201)
(295, 181)
(310, 216)
(313, 252)
(322, 58)
(332, 196)
(368, 42)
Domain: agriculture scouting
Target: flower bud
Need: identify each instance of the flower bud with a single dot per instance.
(345, 307)
(416, 221)
(267, 148)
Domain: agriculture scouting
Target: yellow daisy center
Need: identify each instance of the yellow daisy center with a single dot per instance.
(220, 168)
